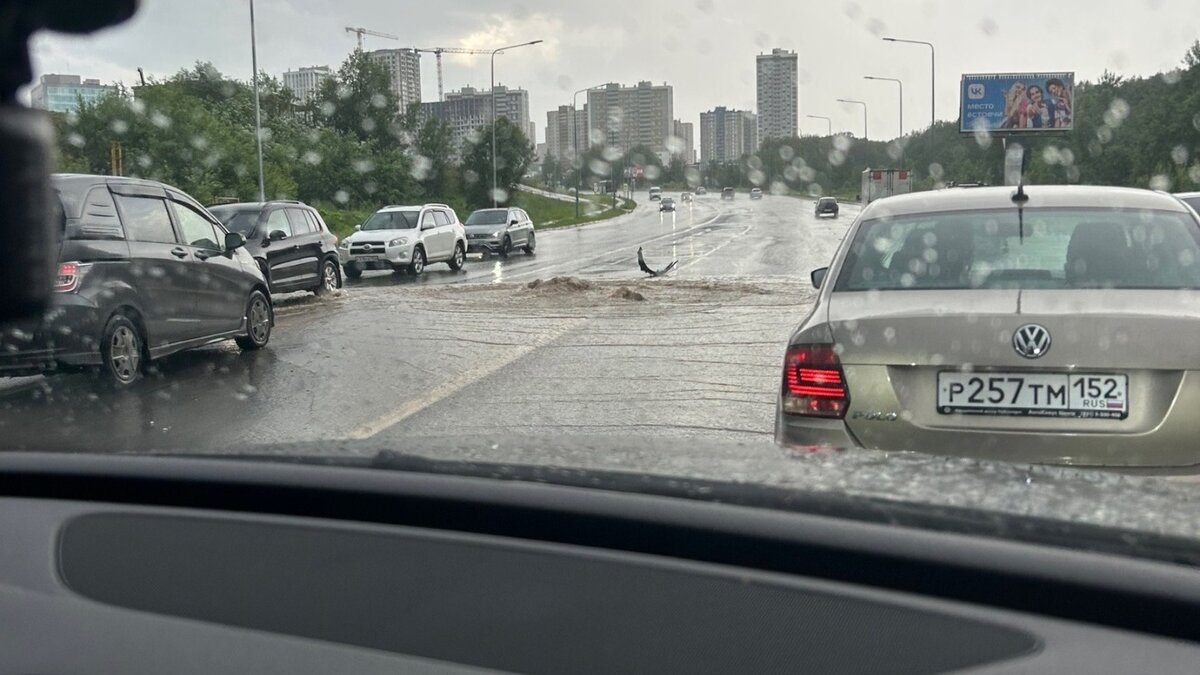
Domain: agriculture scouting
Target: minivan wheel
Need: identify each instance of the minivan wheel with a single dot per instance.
(330, 279)
(353, 272)
(121, 351)
(258, 323)
(459, 259)
(530, 244)
(418, 262)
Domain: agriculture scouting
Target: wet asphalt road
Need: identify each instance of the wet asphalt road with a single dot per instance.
(469, 354)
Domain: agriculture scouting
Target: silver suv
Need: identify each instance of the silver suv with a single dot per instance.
(401, 238)
(500, 231)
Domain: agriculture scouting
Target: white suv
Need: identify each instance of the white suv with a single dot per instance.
(402, 238)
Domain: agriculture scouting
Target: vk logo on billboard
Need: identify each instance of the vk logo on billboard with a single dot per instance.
(975, 91)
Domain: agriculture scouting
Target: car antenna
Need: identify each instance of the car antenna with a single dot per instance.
(1019, 197)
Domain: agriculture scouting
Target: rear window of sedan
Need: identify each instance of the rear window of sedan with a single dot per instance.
(1049, 248)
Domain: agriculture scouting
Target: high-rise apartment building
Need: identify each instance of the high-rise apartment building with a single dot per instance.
(726, 135)
(562, 127)
(625, 117)
(469, 110)
(404, 67)
(306, 82)
(684, 133)
(778, 95)
(61, 93)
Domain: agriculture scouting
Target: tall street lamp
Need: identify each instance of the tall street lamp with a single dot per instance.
(892, 79)
(494, 164)
(932, 74)
(575, 136)
(864, 105)
(262, 191)
(828, 123)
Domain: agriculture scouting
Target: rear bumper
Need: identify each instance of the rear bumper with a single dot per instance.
(808, 432)
(68, 334)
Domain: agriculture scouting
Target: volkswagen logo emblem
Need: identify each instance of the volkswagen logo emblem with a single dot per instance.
(1031, 341)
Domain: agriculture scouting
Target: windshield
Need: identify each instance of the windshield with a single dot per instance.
(1062, 248)
(583, 320)
(487, 218)
(391, 220)
(242, 221)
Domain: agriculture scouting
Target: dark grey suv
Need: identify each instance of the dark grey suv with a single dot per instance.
(144, 271)
(289, 240)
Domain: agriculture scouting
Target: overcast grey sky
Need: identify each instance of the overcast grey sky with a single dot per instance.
(704, 48)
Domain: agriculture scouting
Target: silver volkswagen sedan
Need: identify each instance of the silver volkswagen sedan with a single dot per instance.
(1057, 325)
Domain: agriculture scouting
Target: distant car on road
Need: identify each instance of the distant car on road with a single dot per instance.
(401, 238)
(144, 271)
(963, 322)
(500, 231)
(727, 193)
(667, 204)
(826, 206)
(686, 197)
(756, 193)
(701, 190)
(290, 241)
(655, 194)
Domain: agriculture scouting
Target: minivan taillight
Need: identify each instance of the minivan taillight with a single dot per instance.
(68, 277)
(813, 382)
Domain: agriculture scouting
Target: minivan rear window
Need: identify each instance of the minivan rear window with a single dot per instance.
(98, 218)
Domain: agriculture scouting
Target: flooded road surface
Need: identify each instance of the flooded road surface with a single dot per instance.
(495, 349)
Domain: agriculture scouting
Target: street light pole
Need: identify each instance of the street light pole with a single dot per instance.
(892, 79)
(262, 191)
(864, 105)
(932, 74)
(575, 135)
(828, 123)
(493, 95)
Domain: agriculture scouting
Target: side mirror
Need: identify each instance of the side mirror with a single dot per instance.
(818, 276)
(234, 241)
(514, 221)
(277, 235)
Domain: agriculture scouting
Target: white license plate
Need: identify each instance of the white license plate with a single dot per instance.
(368, 258)
(1084, 395)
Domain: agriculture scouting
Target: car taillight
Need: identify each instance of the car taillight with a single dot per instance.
(68, 277)
(813, 382)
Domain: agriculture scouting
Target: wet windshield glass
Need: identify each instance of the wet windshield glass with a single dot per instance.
(847, 260)
(241, 221)
(391, 220)
(487, 218)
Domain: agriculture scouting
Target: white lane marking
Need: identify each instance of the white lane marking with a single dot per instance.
(456, 384)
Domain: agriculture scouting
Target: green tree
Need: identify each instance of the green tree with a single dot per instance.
(358, 100)
(433, 149)
(514, 155)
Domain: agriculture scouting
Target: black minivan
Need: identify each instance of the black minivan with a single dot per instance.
(290, 241)
(144, 271)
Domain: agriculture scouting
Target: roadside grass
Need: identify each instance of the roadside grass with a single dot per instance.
(548, 214)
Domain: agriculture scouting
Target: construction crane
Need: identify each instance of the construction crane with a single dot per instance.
(363, 31)
(438, 51)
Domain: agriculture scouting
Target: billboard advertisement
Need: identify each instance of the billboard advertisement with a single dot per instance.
(1017, 102)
